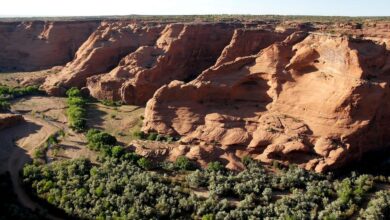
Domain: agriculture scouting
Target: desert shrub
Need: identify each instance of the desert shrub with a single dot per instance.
(197, 179)
(246, 160)
(152, 136)
(115, 189)
(76, 116)
(61, 133)
(208, 217)
(52, 139)
(107, 102)
(138, 134)
(19, 92)
(350, 192)
(183, 163)
(145, 163)
(215, 166)
(124, 188)
(39, 153)
(4, 105)
(76, 101)
(73, 92)
(378, 207)
(7, 94)
(117, 151)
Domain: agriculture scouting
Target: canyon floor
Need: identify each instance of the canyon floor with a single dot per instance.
(46, 115)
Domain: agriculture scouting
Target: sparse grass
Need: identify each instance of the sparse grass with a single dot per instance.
(107, 118)
(52, 141)
(111, 103)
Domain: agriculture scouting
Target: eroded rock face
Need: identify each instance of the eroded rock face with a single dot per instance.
(101, 53)
(317, 100)
(247, 42)
(9, 120)
(36, 45)
(181, 52)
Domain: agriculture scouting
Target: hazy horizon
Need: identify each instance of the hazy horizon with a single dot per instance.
(47, 8)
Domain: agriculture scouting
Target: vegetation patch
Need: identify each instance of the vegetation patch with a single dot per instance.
(76, 110)
(8, 93)
(122, 188)
(153, 136)
(112, 103)
(52, 141)
(104, 143)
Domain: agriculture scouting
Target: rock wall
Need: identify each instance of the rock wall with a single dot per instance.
(101, 52)
(248, 42)
(316, 100)
(181, 53)
(36, 45)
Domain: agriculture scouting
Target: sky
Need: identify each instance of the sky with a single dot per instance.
(10, 8)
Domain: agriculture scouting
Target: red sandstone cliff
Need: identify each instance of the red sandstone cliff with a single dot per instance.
(181, 52)
(318, 101)
(28, 46)
(101, 52)
(248, 42)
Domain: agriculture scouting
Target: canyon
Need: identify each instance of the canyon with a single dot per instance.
(314, 94)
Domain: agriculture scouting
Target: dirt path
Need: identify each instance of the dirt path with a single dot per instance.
(43, 116)
(21, 155)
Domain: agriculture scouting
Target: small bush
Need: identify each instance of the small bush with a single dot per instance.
(208, 217)
(4, 105)
(145, 163)
(246, 160)
(77, 101)
(117, 151)
(215, 166)
(8, 93)
(139, 134)
(152, 136)
(38, 153)
(73, 92)
(107, 102)
(183, 163)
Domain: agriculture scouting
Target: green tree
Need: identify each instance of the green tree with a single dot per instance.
(215, 166)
